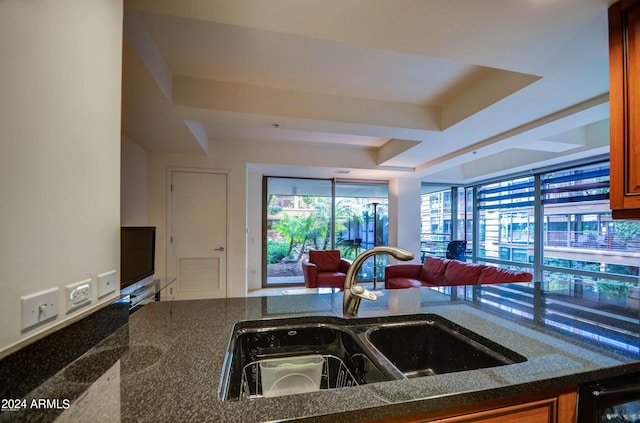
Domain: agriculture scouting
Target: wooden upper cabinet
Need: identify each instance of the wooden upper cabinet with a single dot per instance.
(624, 95)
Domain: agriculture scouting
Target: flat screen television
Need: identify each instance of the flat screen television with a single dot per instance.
(137, 254)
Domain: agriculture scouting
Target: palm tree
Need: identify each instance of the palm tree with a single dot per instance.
(288, 228)
(305, 231)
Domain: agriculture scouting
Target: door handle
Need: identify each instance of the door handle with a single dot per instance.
(219, 249)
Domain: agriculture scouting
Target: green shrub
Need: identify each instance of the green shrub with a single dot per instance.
(276, 251)
(618, 289)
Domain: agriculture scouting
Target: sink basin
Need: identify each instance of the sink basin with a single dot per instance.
(356, 351)
(346, 362)
(437, 346)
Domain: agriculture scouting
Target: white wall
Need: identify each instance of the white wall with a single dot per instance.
(404, 215)
(60, 76)
(134, 187)
(254, 231)
(244, 269)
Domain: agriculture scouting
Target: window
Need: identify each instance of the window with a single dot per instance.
(298, 216)
(506, 220)
(586, 254)
(445, 216)
(305, 213)
(362, 222)
(585, 261)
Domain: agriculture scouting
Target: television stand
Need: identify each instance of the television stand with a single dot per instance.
(149, 292)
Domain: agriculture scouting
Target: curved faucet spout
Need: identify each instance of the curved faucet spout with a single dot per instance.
(353, 293)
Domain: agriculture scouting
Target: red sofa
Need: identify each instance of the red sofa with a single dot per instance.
(436, 271)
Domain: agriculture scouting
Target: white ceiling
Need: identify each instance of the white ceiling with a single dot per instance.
(449, 91)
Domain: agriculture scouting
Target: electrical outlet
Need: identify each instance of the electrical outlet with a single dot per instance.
(106, 283)
(78, 294)
(39, 307)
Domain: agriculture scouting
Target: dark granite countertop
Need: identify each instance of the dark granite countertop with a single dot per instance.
(166, 363)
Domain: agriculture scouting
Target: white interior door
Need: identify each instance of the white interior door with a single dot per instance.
(198, 237)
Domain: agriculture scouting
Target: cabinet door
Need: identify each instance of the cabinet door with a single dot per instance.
(545, 407)
(536, 412)
(624, 93)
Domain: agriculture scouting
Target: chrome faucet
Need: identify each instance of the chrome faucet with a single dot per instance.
(353, 293)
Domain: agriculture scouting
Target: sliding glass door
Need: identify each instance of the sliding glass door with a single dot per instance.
(362, 222)
(298, 216)
(304, 214)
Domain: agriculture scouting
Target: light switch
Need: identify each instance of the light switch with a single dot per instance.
(39, 307)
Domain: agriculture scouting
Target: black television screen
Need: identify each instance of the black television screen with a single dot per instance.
(137, 254)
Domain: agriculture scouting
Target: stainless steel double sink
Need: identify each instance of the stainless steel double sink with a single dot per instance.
(357, 351)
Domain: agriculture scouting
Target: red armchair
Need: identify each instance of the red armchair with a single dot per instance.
(325, 268)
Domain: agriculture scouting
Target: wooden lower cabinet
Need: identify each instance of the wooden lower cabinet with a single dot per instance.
(548, 407)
